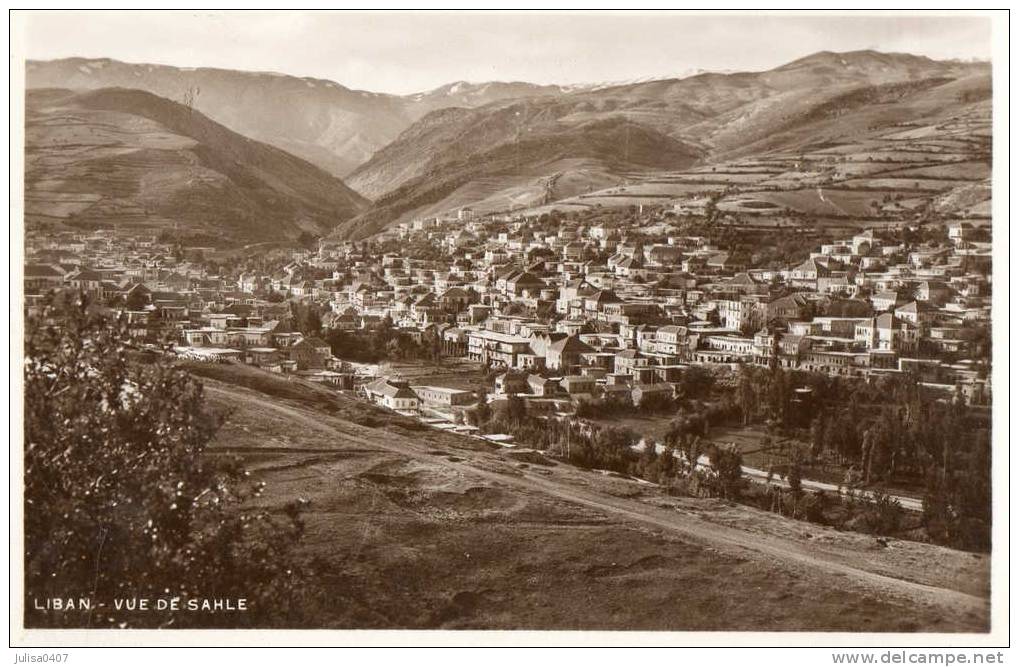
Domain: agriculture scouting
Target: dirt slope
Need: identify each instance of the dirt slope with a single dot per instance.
(426, 529)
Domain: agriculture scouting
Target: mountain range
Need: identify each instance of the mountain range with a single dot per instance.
(446, 159)
(321, 121)
(502, 146)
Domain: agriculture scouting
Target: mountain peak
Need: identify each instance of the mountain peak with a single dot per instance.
(859, 58)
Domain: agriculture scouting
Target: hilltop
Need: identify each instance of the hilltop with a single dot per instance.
(516, 144)
(126, 157)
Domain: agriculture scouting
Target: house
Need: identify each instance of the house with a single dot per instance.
(578, 384)
(511, 383)
(887, 333)
(672, 339)
(301, 289)
(541, 386)
(86, 280)
(935, 292)
(627, 361)
(177, 282)
(960, 231)
(918, 313)
(885, 301)
(574, 251)
(726, 262)
(864, 242)
(523, 283)
(392, 394)
(664, 255)
(745, 283)
(837, 285)
(248, 282)
(425, 309)
(642, 393)
(345, 320)
(595, 303)
(732, 347)
(41, 278)
(564, 354)
(787, 308)
(496, 348)
(264, 357)
(741, 314)
(455, 299)
(807, 273)
(309, 353)
(446, 397)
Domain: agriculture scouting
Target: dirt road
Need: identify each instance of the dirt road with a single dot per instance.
(882, 578)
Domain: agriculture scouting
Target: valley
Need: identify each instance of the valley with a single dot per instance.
(699, 353)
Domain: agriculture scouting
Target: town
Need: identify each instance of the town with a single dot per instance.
(443, 320)
(566, 311)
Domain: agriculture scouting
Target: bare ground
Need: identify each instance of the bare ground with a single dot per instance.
(423, 529)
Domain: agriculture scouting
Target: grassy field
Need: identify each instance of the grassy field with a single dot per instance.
(965, 171)
(819, 201)
(750, 439)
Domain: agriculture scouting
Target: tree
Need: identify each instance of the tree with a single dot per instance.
(818, 431)
(685, 434)
(795, 475)
(307, 240)
(306, 318)
(695, 382)
(482, 410)
(136, 300)
(516, 409)
(613, 448)
(120, 501)
(727, 464)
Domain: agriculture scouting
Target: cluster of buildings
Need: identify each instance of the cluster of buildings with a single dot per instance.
(170, 302)
(633, 308)
(561, 309)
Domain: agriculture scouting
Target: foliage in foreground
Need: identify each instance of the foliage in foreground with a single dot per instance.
(122, 504)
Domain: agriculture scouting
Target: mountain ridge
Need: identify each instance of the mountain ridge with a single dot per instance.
(389, 147)
(320, 120)
(123, 156)
(713, 114)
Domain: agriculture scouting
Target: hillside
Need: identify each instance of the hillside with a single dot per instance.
(714, 116)
(420, 528)
(521, 144)
(127, 157)
(321, 121)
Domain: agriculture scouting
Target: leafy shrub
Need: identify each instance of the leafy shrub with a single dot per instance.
(120, 501)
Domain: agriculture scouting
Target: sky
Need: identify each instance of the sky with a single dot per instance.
(403, 53)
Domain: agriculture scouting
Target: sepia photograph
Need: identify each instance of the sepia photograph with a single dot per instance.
(655, 325)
